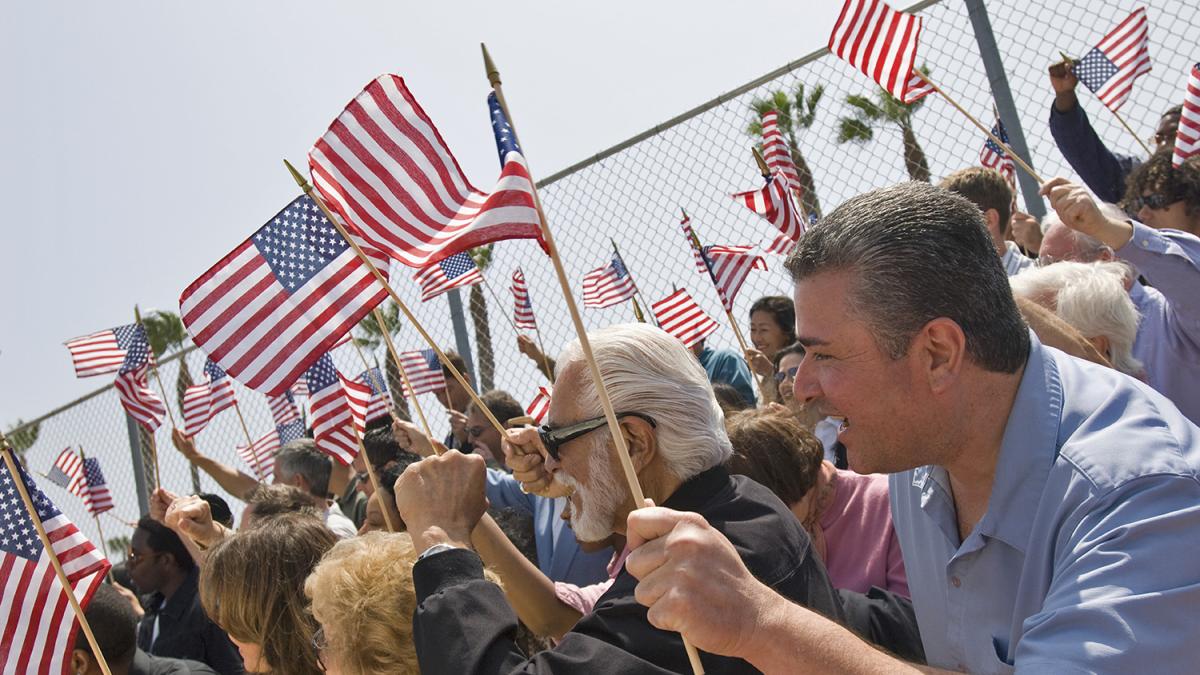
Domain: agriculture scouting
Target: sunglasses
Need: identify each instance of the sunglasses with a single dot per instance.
(790, 373)
(1156, 201)
(553, 439)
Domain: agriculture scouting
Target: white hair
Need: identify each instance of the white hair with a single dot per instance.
(1087, 247)
(1093, 299)
(648, 371)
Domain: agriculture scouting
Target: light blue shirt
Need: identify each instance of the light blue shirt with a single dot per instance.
(1168, 338)
(728, 367)
(559, 555)
(1088, 557)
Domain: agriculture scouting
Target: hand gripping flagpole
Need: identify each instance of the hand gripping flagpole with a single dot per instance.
(137, 314)
(7, 451)
(1069, 62)
(614, 426)
(333, 220)
(412, 395)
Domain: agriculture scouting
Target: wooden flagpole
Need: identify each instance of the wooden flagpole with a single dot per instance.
(610, 415)
(249, 441)
(1015, 157)
(412, 395)
(362, 449)
(337, 224)
(1071, 63)
(7, 451)
(537, 332)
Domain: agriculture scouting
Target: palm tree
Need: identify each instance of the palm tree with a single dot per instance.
(483, 328)
(370, 338)
(796, 111)
(22, 437)
(886, 109)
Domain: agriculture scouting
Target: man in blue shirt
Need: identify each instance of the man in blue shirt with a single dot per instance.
(725, 366)
(1048, 508)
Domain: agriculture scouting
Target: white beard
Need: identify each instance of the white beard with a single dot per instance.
(600, 500)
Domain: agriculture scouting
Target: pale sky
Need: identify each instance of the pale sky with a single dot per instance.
(143, 140)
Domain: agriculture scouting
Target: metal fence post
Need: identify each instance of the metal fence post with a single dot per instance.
(990, 53)
(139, 467)
(461, 342)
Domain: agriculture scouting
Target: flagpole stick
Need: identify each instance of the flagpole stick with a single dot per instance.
(337, 224)
(412, 395)
(1015, 157)
(7, 450)
(249, 441)
(614, 426)
(636, 289)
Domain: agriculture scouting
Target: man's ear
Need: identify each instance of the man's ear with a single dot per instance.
(81, 661)
(639, 436)
(943, 348)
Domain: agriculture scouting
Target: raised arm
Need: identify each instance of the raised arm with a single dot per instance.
(230, 479)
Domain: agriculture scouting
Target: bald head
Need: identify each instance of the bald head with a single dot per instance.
(1062, 243)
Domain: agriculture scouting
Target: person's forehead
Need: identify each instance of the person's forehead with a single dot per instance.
(138, 540)
(789, 360)
(820, 302)
(564, 407)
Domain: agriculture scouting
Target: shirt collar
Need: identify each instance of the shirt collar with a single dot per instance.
(698, 490)
(183, 597)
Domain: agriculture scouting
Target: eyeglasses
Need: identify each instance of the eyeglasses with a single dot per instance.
(790, 373)
(475, 432)
(1156, 201)
(553, 439)
(319, 644)
(133, 558)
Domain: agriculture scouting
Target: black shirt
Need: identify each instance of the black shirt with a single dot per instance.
(185, 631)
(464, 625)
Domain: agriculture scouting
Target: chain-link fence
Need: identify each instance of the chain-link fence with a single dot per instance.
(633, 193)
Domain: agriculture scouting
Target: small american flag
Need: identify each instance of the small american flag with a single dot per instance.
(686, 226)
(379, 404)
(202, 402)
(424, 371)
(67, 472)
(1187, 139)
(454, 272)
(730, 266)
(281, 299)
(39, 625)
(283, 408)
(993, 156)
(540, 405)
(383, 167)
(775, 150)
(774, 202)
(261, 454)
(679, 315)
(334, 414)
(608, 285)
(102, 352)
(131, 384)
(1123, 56)
(882, 43)
(522, 304)
(96, 497)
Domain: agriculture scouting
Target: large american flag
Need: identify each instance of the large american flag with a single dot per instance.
(993, 156)
(454, 272)
(1187, 139)
(608, 285)
(384, 168)
(96, 497)
(882, 43)
(690, 235)
(1123, 56)
(379, 405)
(261, 454)
(423, 370)
(774, 203)
(39, 624)
(337, 405)
(102, 352)
(679, 315)
(281, 299)
(522, 304)
(67, 472)
(540, 405)
(202, 402)
(133, 388)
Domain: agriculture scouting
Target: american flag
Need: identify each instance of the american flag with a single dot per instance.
(261, 454)
(281, 299)
(1123, 56)
(774, 202)
(608, 285)
(1187, 139)
(686, 226)
(283, 408)
(39, 625)
(384, 168)
(102, 352)
(454, 272)
(882, 43)
(67, 472)
(424, 371)
(540, 405)
(993, 156)
(202, 402)
(132, 386)
(679, 315)
(337, 405)
(96, 497)
(522, 304)
(730, 266)
(379, 404)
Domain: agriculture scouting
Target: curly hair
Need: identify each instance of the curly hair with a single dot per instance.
(1157, 175)
(771, 448)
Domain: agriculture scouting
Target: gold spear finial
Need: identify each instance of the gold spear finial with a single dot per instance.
(299, 177)
(493, 74)
(762, 163)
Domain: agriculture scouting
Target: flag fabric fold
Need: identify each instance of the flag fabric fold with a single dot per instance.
(1187, 139)
(454, 272)
(424, 371)
(132, 384)
(882, 43)
(608, 285)
(679, 315)
(338, 407)
(379, 404)
(993, 156)
(96, 497)
(202, 402)
(540, 405)
(774, 203)
(776, 152)
(1123, 55)
(522, 304)
(730, 266)
(67, 472)
(690, 235)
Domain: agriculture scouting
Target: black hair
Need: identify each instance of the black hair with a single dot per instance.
(501, 404)
(113, 623)
(162, 539)
(782, 310)
(729, 398)
(381, 446)
(219, 508)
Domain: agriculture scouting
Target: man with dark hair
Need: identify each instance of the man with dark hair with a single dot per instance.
(482, 436)
(988, 189)
(175, 624)
(381, 450)
(301, 465)
(1046, 507)
(114, 626)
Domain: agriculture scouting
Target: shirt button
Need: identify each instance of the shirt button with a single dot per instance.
(1145, 242)
(956, 581)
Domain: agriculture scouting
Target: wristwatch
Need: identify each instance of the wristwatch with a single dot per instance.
(434, 550)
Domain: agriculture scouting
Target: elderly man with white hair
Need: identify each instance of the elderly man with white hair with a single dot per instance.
(674, 429)
(1092, 298)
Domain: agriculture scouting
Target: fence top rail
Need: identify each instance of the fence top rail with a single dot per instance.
(704, 107)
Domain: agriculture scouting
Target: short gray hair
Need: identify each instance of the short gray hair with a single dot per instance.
(917, 253)
(302, 458)
(647, 370)
(1092, 298)
(1086, 247)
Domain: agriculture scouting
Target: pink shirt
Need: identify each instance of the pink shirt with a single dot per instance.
(583, 598)
(861, 546)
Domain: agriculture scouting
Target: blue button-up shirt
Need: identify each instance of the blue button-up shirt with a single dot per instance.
(559, 555)
(1168, 338)
(728, 367)
(1088, 557)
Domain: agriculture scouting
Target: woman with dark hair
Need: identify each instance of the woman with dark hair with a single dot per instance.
(772, 327)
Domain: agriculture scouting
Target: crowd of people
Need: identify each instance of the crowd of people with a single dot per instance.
(968, 441)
